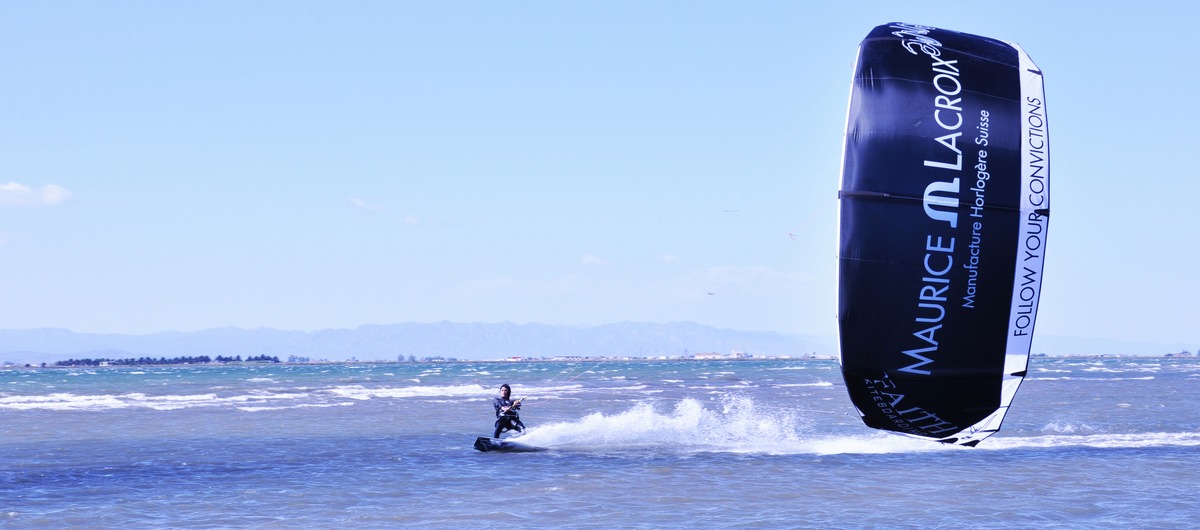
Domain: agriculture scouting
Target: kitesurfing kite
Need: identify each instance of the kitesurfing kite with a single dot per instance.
(944, 207)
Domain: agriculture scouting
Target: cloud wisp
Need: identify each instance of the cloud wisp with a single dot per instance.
(361, 204)
(16, 194)
(592, 259)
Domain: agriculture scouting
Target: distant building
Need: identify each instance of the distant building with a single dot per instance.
(709, 356)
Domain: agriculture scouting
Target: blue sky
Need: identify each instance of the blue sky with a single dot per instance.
(311, 165)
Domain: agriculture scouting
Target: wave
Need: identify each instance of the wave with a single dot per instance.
(1067, 378)
(257, 400)
(738, 425)
(359, 392)
(1103, 441)
(817, 384)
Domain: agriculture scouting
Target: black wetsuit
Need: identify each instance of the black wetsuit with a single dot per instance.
(508, 420)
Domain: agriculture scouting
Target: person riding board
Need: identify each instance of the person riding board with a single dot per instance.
(507, 417)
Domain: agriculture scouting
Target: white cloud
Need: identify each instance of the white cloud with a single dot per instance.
(362, 204)
(592, 259)
(15, 194)
(668, 258)
(744, 274)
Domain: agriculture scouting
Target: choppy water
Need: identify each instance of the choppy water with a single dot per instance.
(1088, 443)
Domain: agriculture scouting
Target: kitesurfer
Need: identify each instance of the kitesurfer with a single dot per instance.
(507, 416)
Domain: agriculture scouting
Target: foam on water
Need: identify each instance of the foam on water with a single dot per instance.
(260, 399)
(1058, 427)
(738, 425)
(69, 402)
(301, 406)
(1068, 378)
(360, 392)
(689, 426)
(1103, 441)
(817, 384)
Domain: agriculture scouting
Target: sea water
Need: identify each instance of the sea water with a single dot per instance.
(1095, 443)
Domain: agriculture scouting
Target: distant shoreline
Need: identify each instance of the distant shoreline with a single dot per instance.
(214, 364)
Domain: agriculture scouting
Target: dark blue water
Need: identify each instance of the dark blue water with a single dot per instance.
(1095, 443)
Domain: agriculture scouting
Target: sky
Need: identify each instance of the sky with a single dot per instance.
(178, 166)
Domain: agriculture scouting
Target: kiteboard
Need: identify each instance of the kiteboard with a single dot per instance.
(505, 446)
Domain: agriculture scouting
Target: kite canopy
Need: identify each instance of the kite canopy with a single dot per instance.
(944, 207)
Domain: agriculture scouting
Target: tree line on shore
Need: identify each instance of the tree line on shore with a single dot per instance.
(141, 361)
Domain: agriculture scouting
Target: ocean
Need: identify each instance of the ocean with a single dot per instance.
(1088, 443)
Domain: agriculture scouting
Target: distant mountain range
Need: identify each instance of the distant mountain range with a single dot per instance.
(395, 341)
(470, 342)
